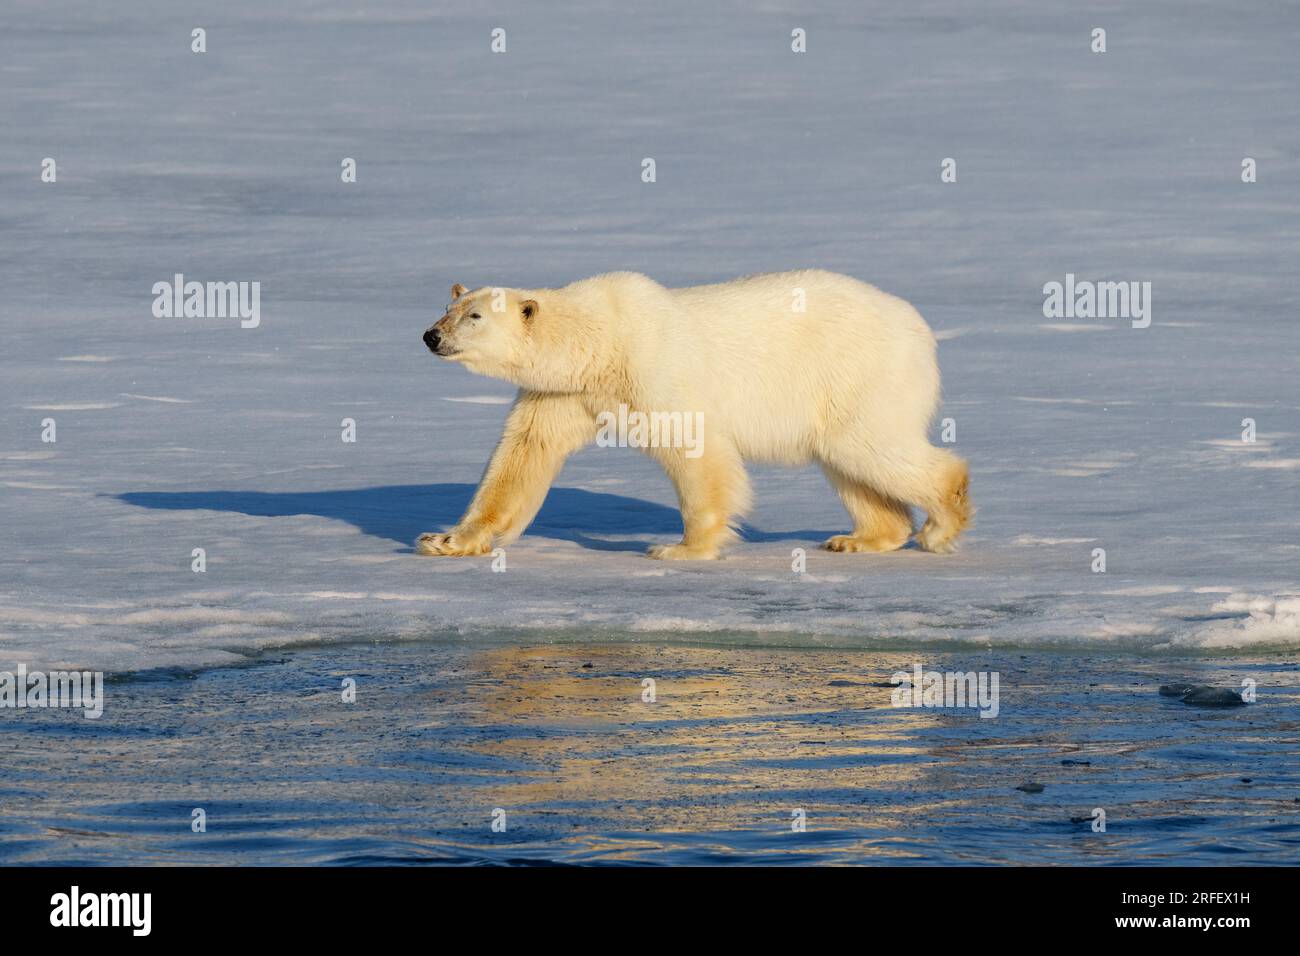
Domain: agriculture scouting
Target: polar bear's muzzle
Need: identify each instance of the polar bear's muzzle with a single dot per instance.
(436, 343)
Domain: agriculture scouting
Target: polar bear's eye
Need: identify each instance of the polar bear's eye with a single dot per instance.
(475, 315)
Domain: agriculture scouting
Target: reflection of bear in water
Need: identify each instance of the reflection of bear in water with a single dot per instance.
(785, 368)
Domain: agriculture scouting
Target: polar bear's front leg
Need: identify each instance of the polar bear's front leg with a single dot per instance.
(541, 431)
(713, 490)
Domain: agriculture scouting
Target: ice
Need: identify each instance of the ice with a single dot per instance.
(524, 169)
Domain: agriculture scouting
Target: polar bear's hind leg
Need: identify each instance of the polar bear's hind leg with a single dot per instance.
(880, 523)
(949, 510)
(919, 474)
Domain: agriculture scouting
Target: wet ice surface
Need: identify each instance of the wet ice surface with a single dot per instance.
(557, 735)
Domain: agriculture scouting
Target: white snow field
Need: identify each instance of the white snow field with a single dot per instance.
(524, 168)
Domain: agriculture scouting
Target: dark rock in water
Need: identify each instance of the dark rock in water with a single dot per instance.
(588, 666)
(1031, 787)
(1247, 780)
(1203, 696)
(1081, 819)
(1076, 763)
(883, 683)
(846, 683)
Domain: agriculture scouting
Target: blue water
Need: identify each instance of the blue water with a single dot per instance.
(738, 741)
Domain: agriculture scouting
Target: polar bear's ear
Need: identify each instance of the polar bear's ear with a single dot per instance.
(457, 291)
(530, 308)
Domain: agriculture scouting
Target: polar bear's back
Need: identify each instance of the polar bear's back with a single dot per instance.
(777, 297)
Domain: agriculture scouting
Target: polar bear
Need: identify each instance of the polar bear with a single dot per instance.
(786, 368)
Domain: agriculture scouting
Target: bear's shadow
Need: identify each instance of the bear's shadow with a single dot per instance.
(402, 512)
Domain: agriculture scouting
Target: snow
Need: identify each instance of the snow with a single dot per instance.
(524, 169)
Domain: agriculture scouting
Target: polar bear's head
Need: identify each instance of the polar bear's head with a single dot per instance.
(486, 330)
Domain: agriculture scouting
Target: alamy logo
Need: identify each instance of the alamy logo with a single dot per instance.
(629, 429)
(103, 909)
(37, 690)
(179, 299)
(1098, 300)
(923, 688)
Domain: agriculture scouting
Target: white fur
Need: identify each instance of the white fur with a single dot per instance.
(851, 382)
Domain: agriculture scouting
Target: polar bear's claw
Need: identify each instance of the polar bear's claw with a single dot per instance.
(449, 544)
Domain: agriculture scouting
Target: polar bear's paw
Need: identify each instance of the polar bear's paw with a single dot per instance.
(681, 552)
(453, 543)
(847, 543)
(935, 539)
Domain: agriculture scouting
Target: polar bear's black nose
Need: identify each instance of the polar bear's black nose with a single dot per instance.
(431, 339)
